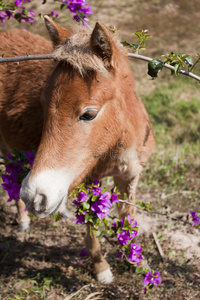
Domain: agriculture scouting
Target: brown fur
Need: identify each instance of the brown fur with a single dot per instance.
(92, 70)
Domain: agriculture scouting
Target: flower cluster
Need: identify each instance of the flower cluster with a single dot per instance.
(94, 201)
(16, 10)
(126, 230)
(5, 14)
(15, 171)
(54, 14)
(93, 206)
(195, 218)
(80, 9)
(151, 280)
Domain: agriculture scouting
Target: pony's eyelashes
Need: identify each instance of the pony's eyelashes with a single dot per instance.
(89, 114)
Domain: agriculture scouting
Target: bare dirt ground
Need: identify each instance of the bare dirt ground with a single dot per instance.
(46, 263)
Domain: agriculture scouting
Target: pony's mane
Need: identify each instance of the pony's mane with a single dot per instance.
(76, 51)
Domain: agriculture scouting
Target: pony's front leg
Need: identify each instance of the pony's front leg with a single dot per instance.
(23, 219)
(128, 187)
(100, 265)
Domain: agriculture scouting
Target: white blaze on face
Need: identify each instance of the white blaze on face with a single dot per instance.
(45, 192)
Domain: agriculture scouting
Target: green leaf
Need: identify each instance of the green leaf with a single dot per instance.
(44, 1)
(126, 224)
(154, 67)
(88, 218)
(86, 205)
(94, 198)
(126, 43)
(125, 196)
(119, 230)
(176, 69)
(103, 190)
(141, 204)
(134, 228)
(57, 216)
(83, 189)
(100, 233)
(189, 61)
(105, 222)
(115, 190)
(139, 270)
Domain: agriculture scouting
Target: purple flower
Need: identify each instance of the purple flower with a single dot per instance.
(96, 191)
(106, 197)
(123, 237)
(77, 202)
(82, 196)
(80, 218)
(14, 170)
(11, 187)
(126, 235)
(195, 218)
(96, 182)
(135, 253)
(31, 13)
(120, 253)
(30, 155)
(3, 16)
(83, 252)
(53, 14)
(114, 198)
(18, 2)
(152, 278)
(102, 206)
(79, 8)
(114, 224)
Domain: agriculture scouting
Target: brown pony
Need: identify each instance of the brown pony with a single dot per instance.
(80, 112)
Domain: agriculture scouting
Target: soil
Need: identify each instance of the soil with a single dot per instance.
(52, 251)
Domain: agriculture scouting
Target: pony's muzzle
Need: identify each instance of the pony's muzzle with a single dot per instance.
(44, 193)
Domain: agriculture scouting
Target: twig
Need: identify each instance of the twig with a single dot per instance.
(148, 59)
(72, 295)
(159, 246)
(26, 57)
(155, 212)
(132, 55)
(92, 295)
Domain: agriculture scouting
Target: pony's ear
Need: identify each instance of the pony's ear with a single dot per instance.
(57, 33)
(101, 43)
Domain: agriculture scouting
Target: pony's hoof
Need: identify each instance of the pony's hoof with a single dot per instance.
(105, 277)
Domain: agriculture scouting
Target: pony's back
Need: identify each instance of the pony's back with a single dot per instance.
(21, 85)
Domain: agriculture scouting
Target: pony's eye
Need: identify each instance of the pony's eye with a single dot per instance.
(89, 115)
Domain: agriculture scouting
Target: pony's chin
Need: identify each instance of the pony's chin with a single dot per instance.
(48, 212)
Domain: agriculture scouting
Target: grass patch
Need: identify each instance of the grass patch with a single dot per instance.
(175, 112)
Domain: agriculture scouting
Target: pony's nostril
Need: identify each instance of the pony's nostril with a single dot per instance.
(40, 202)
